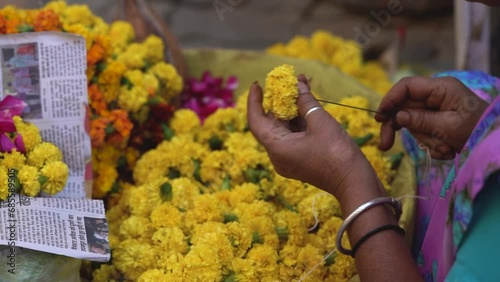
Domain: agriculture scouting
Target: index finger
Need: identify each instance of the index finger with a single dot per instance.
(407, 89)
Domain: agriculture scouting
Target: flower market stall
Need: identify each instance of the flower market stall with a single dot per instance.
(190, 195)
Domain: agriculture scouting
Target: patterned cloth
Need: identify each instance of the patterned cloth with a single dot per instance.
(452, 186)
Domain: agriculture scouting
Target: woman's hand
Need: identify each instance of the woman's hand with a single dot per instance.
(440, 113)
(316, 150)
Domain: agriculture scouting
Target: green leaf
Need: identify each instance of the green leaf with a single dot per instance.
(252, 175)
(231, 277)
(100, 67)
(197, 167)
(215, 143)
(115, 188)
(226, 185)
(285, 203)
(25, 28)
(122, 162)
(360, 141)
(109, 129)
(282, 233)
(257, 239)
(168, 133)
(230, 217)
(166, 192)
(395, 160)
(230, 127)
(126, 82)
(42, 179)
(330, 259)
(173, 173)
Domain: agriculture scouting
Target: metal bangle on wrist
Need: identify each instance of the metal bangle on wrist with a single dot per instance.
(395, 204)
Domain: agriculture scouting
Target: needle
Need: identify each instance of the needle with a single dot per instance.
(348, 106)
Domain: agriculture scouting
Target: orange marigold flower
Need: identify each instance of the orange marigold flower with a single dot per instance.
(47, 20)
(95, 54)
(98, 131)
(3, 25)
(96, 99)
(121, 122)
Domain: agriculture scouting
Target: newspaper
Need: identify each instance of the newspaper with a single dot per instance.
(47, 70)
(71, 227)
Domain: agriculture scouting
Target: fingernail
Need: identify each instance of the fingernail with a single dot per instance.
(256, 83)
(403, 117)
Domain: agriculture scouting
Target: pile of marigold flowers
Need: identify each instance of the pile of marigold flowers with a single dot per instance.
(333, 50)
(28, 165)
(208, 204)
(128, 82)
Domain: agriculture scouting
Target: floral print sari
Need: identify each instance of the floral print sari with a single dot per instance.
(450, 187)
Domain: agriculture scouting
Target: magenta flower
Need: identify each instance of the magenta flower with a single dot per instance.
(209, 94)
(10, 107)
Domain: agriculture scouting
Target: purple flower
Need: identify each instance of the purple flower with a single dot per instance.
(208, 94)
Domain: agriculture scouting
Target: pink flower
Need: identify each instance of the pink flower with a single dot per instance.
(208, 94)
(10, 107)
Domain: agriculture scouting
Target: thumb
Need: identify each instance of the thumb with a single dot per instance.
(421, 121)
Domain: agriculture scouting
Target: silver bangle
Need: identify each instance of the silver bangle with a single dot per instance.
(396, 206)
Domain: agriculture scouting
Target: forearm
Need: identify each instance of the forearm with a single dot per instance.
(385, 256)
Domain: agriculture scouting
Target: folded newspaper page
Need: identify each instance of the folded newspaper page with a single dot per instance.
(70, 227)
(47, 70)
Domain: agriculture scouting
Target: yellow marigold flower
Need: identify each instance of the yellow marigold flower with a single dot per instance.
(44, 153)
(295, 226)
(169, 78)
(278, 49)
(244, 193)
(102, 28)
(380, 164)
(298, 46)
(78, 14)
(15, 160)
(153, 275)
(185, 121)
(238, 141)
(298, 260)
(171, 239)
(105, 176)
(105, 273)
(121, 33)
(134, 56)
(205, 208)
(29, 132)
(132, 100)
(222, 123)
(4, 181)
(135, 77)
(82, 30)
(241, 238)
(155, 47)
(264, 259)
(343, 269)
(151, 83)
(59, 6)
(28, 177)
(325, 206)
(344, 114)
(133, 257)
(242, 101)
(113, 73)
(281, 92)
(185, 191)
(215, 166)
(136, 227)
(54, 175)
(201, 259)
(329, 229)
(132, 155)
(165, 215)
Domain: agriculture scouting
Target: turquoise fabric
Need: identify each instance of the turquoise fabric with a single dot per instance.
(478, 256)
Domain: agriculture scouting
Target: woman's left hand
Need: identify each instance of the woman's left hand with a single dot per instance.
(316, 150)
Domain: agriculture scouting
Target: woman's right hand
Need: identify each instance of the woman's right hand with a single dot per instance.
(440, 113)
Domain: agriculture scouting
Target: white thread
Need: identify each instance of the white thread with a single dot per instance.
(316, 266)
(315, 213)
(427, 169)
